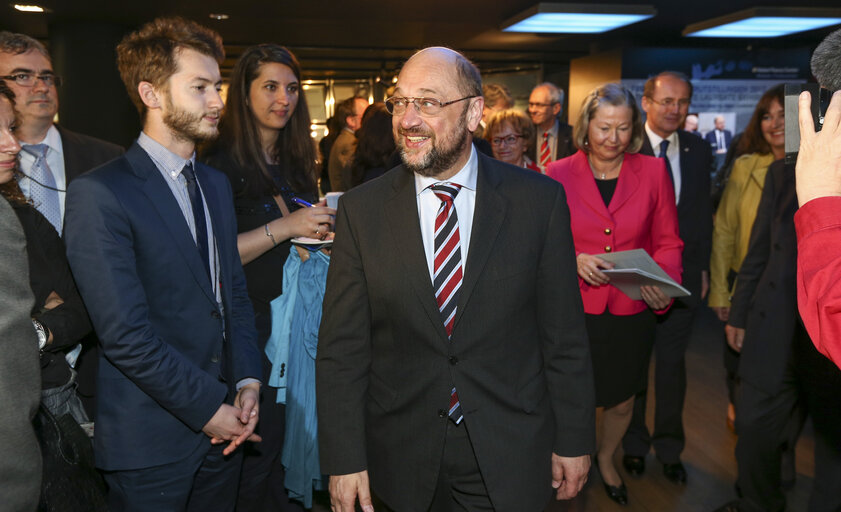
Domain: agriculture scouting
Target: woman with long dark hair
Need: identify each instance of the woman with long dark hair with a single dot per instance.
(266, 150)
(374, 145)
(762, 142)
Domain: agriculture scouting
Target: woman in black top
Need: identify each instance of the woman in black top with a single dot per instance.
(266, 150)
(58, 313)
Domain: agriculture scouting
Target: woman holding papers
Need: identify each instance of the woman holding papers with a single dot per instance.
(618, 200)
(265, 149)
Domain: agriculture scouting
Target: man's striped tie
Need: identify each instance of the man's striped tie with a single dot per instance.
(545, 153)
(447, 268)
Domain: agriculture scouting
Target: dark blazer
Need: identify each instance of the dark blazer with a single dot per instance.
(765, 300)
(711, 140)
(20, 466)
(163, 369)
(641, 215)
(694, 210)
(564, 143)
(519, 354)
(82, 152)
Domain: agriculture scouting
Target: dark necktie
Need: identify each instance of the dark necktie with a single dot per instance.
(194, 190)
(664, 146)
(447, 269)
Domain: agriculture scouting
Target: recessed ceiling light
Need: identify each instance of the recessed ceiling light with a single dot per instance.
(218, 16)
(765, 22)
(29, 8)
(576, 18)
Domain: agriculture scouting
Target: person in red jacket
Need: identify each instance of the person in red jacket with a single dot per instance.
(618, 200)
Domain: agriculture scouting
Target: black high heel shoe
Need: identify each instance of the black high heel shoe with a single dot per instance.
(619, 494)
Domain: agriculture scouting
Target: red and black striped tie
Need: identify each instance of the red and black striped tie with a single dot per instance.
(545, 153)
(447, 268)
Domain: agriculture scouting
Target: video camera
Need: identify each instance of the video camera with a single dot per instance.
(792, 127)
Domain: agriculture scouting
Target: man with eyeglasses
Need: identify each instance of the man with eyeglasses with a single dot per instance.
(666, 99)
(446, 377)
(52, 156)
(554, 138)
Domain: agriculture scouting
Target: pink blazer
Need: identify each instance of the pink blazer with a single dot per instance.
(642, 215)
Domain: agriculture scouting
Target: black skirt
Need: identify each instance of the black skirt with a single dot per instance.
(621, 349)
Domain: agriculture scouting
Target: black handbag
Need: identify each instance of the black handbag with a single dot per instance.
(70, 482)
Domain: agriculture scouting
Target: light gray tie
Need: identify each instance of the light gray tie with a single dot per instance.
(42, 186)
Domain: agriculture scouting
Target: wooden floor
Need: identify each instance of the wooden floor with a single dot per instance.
(708, 457)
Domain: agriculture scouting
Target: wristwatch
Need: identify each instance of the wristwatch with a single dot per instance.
(42, 334)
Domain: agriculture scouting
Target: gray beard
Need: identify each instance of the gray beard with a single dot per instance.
(437, 160)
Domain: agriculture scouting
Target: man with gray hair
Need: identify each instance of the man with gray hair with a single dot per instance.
(554, 138)
(445, 376)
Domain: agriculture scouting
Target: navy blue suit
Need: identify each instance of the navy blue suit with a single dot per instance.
(164, 367)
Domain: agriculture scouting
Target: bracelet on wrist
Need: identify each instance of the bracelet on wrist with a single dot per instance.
(270, 235)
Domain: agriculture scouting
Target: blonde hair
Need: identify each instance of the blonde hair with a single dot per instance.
(614, 94)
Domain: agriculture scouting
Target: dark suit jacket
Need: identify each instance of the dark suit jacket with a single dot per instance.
(711, 140)
(765, 300)
(694, 210)
(82, 152)
(20, 376)
(641, 215)
(564, 144)
(163, 369)
(519, 354)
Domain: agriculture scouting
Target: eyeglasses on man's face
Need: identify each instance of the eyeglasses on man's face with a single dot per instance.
(534, 104)
(397, 105)
(510, 140)
(29, 79)
(671, 102)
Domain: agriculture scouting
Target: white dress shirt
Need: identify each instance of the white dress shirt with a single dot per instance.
(465, 203)
(672, 153)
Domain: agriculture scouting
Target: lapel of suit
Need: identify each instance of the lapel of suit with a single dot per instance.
(488, 216)
(628, 183)
(214, 196)
(161, 198)
(686, 184)
(585, 187)
(401, 213)
(71, 153)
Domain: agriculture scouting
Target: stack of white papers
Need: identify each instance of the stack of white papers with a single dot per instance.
(636, 268)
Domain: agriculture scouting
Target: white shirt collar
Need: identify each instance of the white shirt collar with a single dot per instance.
(466, 177)
(656, 139)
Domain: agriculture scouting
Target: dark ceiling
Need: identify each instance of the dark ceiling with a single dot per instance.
(367, 38)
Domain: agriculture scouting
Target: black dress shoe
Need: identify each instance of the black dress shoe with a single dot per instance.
(675, 472)
(634, 465)
(618, 494)
(732, 506)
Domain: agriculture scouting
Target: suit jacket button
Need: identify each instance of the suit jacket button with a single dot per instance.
(772, 285)
(442, 413)
(762, 314)
(777, 246)
(215, 314)
(607, 231)
(607, 248)
(214, 359)
(453, 360)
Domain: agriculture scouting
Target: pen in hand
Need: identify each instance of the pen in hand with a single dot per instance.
(301, 202)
